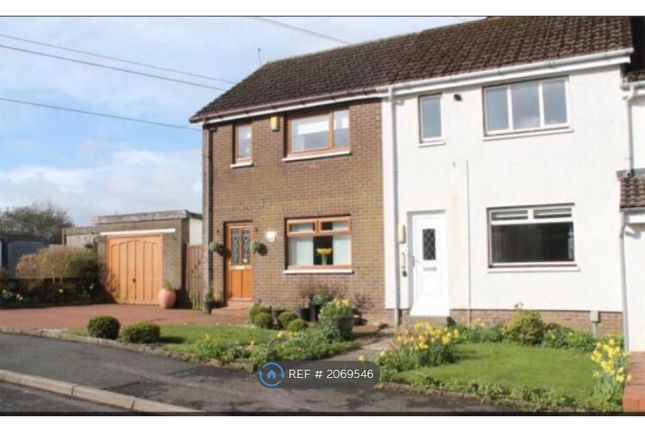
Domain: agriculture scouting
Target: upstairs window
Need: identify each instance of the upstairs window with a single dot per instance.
(319, 133)
(526, 106)
(430, 118)
(243, 144)
(531, 236)
(319, 243)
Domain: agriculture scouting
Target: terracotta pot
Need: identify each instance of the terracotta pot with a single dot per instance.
(167, 298)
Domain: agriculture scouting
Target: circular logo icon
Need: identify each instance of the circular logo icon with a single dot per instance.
(270, 374)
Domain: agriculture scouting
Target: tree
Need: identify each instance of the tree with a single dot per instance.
(43, 220)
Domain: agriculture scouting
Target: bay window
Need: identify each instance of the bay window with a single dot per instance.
(526, 106)
(319, 243)
(318, 133)
(531, 236)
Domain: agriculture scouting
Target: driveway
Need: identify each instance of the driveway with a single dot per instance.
(211, 389)
(66, 317)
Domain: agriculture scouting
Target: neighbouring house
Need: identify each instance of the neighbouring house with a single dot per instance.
(15, 245)
(142, 252)
(451, 173)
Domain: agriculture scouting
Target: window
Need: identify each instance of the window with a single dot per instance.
(531, 236)
(319, 133)
(526, 106)
(319, 242)
(243, 144)
(430, 116)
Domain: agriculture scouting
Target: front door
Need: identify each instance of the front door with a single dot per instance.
(428, 261)
(239, 265)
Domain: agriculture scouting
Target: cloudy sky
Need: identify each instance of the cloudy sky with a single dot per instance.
(96, 166)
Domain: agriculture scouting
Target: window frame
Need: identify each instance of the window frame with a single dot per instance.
(427, 141)
(236, 159)
(509, 106)
(317, 232)
(331, 144)
(530, 219)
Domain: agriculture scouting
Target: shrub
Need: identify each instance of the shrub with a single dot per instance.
(492, 333)
(256, 309)
(141, 332)
(419, 346)
(209, 347)
(58, 263)
(104, 327)
(263, 320)
(286, 317)
(297, 325)
(526, 327)
(612, 376)
(336, 309)
(313, 344)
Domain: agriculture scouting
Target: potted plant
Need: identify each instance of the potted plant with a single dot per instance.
(340, 313)
(258, 247)
(216, 247)
(324, 254)
(316, 302)
(167, 296)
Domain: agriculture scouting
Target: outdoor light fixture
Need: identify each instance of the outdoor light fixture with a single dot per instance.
(457, 97)
(270, 236)
(275, 123)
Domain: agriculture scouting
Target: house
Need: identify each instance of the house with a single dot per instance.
(15, 245)
(143, 252)
(486, 155)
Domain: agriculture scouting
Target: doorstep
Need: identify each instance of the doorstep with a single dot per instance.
(634, 394)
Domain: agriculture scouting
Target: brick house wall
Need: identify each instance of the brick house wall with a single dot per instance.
(272, 191)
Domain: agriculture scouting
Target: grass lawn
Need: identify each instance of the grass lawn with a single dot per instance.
(567, 372)
(182, 337)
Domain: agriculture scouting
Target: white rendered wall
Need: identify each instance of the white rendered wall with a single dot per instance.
(576, 166)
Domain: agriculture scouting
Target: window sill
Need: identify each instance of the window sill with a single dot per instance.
(242, 164)
(315, 156)
(318, 271)
(533, 269)
(435, 142)
(521, 134)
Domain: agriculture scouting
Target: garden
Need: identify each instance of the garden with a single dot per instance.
(525, 363)
(55, 275)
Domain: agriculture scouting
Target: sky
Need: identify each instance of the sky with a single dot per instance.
(94, 166)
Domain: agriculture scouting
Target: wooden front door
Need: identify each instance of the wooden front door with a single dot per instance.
(134, 268)
(239, 262)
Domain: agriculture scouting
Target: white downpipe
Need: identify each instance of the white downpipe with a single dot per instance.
(395, 208)
(469, 281)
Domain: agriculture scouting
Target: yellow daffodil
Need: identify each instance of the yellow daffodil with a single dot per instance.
(361, 357)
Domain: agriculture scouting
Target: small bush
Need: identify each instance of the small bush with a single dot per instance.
(263, 320)
(256, 309)
(297, 325)
(141, 332)
(212, 348)
(581, 341)
(526, 327)
(104, 327)
(286, 317)
(58, 263)
(336, 309)
(492, 333)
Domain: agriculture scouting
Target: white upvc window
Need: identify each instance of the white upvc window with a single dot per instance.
(526, 106)
(430, 118)
(531, 236)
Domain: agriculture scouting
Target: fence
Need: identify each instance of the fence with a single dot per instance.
(194, 275)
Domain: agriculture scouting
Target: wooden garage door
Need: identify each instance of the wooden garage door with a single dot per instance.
(134, 268)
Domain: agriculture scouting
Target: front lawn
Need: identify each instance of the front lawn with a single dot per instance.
(543, 377)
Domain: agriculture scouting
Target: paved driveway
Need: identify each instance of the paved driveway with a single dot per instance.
(66, 317)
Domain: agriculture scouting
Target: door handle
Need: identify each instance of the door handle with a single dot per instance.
(134, 280)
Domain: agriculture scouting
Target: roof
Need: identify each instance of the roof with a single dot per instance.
(444, 51)
(146, 216)
(632, 191)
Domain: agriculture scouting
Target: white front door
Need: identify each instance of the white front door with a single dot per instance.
(428, 263)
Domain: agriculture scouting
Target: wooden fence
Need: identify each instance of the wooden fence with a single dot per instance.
(194, 273)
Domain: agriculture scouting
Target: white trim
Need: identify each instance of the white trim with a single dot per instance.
(460, 80)
(635, 218)
(520, 134)
(434, 142)
(314, 156)
(242, 164)
(318, 271)
(534, 269)
(137, 232)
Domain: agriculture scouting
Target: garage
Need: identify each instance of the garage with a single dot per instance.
(134, 267)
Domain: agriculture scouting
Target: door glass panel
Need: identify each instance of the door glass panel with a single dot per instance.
(235, 247)
(246, 246)
(429, 245)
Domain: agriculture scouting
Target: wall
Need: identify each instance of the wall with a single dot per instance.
(577, 166)
(634, 258)
(272, 190)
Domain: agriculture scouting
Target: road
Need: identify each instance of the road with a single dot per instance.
(211, 389)
(20, 400)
